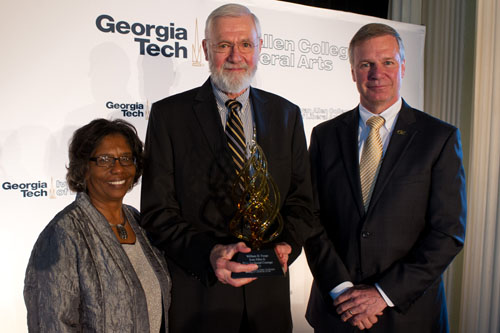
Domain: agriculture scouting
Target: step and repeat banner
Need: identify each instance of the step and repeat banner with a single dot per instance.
(65, 63)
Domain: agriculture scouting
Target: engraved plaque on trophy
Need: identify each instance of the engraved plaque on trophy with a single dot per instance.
(257, 220)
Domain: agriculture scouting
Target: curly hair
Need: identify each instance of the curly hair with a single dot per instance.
(87, 138)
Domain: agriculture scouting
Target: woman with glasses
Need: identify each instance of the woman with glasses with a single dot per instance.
(92, 268)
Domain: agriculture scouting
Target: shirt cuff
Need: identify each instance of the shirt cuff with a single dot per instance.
(335, 292)
(384, 296)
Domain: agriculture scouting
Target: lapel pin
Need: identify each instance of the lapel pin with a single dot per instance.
(401, 132)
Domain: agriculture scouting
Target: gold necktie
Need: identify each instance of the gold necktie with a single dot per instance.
(235, 134)
(370, 158)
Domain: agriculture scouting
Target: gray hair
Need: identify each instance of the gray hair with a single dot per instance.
(231, 10)
(372, 30)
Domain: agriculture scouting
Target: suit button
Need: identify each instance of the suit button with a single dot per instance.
(366, 234)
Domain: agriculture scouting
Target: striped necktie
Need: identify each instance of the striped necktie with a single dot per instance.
(235, 134)
(370, 158)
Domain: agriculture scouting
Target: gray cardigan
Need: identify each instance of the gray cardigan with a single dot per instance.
(79, 278)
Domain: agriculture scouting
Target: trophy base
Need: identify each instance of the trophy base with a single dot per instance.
(268, 262)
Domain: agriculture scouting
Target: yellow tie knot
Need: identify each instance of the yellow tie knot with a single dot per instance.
(375, 122)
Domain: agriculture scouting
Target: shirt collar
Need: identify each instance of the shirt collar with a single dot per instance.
(388, 114)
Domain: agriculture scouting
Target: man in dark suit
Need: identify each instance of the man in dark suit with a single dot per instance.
(390, 195)
(188, 177)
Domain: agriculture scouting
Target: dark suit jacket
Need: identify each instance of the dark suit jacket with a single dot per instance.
(413, 228)
(186, 206)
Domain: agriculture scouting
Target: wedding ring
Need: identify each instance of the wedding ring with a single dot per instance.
(350, 312)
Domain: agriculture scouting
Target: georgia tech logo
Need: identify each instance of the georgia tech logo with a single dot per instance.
(106, 23)
(135, 110)
(28, 190)
(39, 188)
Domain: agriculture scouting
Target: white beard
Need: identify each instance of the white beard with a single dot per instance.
(232, 83)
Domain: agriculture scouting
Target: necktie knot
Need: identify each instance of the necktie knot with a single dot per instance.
(375, 122)
(233, 105)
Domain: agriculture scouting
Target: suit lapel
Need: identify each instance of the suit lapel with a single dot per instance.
(348, 138)
(205, 109)
(262, 119)
(401, 137)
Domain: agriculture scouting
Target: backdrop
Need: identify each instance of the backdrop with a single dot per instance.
(65, 63)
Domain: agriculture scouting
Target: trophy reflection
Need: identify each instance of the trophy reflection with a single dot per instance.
(257, 220)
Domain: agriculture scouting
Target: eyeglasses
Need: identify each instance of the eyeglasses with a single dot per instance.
(244, 47)
(109, 161)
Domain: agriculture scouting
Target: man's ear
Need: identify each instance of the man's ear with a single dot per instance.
(205, 48)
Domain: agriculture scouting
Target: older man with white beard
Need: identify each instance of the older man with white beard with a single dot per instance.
(190, 168)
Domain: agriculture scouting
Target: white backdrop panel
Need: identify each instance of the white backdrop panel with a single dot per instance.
(59, 71)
